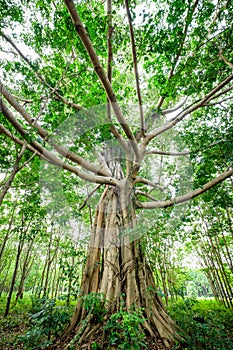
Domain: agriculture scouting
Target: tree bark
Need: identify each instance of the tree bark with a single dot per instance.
(117, 266)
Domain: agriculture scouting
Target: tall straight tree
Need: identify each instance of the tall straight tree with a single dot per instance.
(155, 65)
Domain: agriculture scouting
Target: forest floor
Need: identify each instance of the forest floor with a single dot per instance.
(204, 324)
(98, 338)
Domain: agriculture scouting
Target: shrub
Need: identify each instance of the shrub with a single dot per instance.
(47, 322)
(123, 330)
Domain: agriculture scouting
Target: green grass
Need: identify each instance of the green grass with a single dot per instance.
(204, 324)
(16, 323)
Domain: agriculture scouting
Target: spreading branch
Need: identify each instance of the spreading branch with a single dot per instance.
(15, 170)
(219, 102)
(171, 123)
(188, 19)
(220, 93)
(41, 78)
(188, 196)
(20, 142)
(113, 129)
(164, 153)
(151, 119)
(50, 156)
(147, 195)
(147, 182)
(175, 108)
(45, 135)
(109, 40)
(89, 196)
(135, 64)
(79, 27)
(185, 153)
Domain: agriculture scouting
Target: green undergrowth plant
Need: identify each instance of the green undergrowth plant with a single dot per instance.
(47, 321)
(123, 330)
(94, 303)
(204, 324)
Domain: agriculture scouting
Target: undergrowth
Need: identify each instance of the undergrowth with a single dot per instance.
(33, 324)
(204, 324)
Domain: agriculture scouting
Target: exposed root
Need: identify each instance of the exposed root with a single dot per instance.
(118, 270)
(97, 335)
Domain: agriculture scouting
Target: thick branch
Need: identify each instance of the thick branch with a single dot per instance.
(177, 107)
(50, 156)
(16, 168)
(187, 23)
(45, 135)
(41, 78)
(185, 153)
(188, 196)
(113, 129)
(170, 124)
(135, 64)
(101, 73)
(176, 154)
(147, 182)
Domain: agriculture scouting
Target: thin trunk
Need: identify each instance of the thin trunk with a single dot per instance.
(53, 279)
(164, 283)
(56, 293)
(2, 284)
(228, 254)
(229, 222)
(19, 250)
(8, 233)
(70, 277)
(25, 271)
(20, 292)
(216, 281)
(218, 274)
(35, 285)
(225, 280)
(53, 271)
(42, 277)
(15, 169)
(49, 264)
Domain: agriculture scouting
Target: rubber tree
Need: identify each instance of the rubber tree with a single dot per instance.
(177, 59)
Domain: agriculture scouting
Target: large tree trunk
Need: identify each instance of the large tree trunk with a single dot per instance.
(117, 267)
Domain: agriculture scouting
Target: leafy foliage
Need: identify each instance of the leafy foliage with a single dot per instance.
(94, 304)
(47, 323)
(123, 330)
(205, 324)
